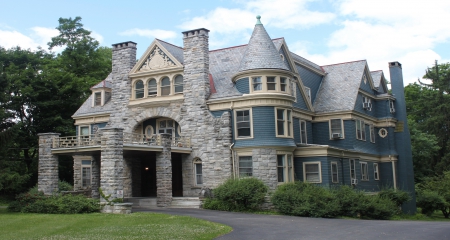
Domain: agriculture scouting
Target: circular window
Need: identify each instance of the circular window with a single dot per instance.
(148, 131)
(383, 132)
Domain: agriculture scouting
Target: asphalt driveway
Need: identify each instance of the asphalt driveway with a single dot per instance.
(257, 226)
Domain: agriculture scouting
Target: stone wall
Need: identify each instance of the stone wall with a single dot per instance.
(265, 166)
(112, 163)
(164, 173)
(48, 164)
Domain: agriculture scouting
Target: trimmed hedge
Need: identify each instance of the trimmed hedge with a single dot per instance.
(66, 204)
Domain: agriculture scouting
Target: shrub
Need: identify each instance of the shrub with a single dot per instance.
(304, 199)
(377, 207)
(397, 196)
(215, 204)
(239, 195)
(25, 199)
(430, 201)
(67, 204)
(64, 186)
(349, 200)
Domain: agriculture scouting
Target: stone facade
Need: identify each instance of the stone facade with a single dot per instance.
(48, 164)
(112, 163)
(265, 166)
(95, 173)
(164, 173)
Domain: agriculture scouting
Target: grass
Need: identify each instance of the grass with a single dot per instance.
(436, 216)
(106, 226)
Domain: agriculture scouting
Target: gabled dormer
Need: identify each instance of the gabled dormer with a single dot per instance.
(101, 93)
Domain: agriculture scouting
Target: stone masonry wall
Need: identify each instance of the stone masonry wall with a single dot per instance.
(265, 166)
(95, 173)
(48, 164)
(164, 173)
(112, 163)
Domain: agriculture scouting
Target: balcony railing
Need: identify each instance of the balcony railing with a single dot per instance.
(128, 138)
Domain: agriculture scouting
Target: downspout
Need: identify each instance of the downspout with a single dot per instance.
(393, 173)
(342, 167)
(232, 137)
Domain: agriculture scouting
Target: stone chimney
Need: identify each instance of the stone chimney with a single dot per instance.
(405, 172)
(196, 66)
(123, 57)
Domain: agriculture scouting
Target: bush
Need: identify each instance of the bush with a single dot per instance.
(377, 207)
(397, 196)
(349, 200)
(429, 201)
(215, 204)
(25, 199)
(66, 204)
(64, 186)
(304, 199)
(238, 195)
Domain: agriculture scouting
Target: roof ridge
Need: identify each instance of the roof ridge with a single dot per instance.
(363, 60)
(168, 43)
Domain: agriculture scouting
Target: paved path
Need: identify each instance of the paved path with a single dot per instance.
(257, 226)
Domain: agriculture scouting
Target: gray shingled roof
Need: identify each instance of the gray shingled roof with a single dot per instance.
(102, 84)
(87, 109)
(305, 61)
(339, 87)
(376, 76)
(176, 51)
(261, 52)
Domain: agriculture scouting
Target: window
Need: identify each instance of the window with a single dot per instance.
(334, 172)
(243, 123)
(165, 86)
(107, 97)
(303, 132)
(285, 168)
(352, 169)
(178, 84)
(367, 103)
(149, 131)
(372, 133)
(84, 130)
(360, 130)
(312, 172)
(152, 87)
(365, 79)
(376, 175)
(364, 171)
(283, 84)
(165, 126)
(336, 129)
(245, 166)
(139, 89)
(308, 93)
(86, 170)
(294, 90)
(271, 84)
(284, 122)
(391, 106)
(257, 83)
(98, 99)
(198, 172)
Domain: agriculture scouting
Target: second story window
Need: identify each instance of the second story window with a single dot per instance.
(360, 130)
(284, 122)
(257, 83)
(243, 123)
(271, 84)
(152, 87)
(165, 86)
(308, 93)
(336, 129)
(139, 89)
(178, 84)
(283, 82)
(303, 132)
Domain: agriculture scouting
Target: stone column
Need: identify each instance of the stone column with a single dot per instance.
(112, 163)
(48, 164)
(164, 173)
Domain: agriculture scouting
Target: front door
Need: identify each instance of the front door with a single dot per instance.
(177, 175)
(148, 178)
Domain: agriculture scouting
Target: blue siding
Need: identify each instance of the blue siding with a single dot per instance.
(218, 114)
(366, 86)
(300, 101)
(296, 126)
(365, 146)
(309, 133)
(382, 110)
(386, 177)
(310, 79)
(359, 106)
(264, 130)
(322, 136)
(242, 85)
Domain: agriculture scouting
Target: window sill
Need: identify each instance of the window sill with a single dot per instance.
(281, 136)
(243, 138)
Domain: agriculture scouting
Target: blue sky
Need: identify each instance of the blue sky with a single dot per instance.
(413, 32)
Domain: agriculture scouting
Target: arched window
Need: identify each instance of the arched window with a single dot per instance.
(139, 89)
(178, 84)
(152, 89)
(198, 172)
(165, 86)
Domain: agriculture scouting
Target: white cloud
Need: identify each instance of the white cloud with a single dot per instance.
(150, 33)
(9, 39)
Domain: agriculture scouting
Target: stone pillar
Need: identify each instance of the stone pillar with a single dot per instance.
(164, 173)
(265, 166)
(48, 164)
(112, 163)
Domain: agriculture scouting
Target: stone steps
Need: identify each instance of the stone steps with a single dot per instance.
(177, 202)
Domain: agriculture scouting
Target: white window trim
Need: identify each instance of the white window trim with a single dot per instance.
(372, 133)
(146, 88)
(79, 129)
(362, 126)
(365, 166)
(81, 172)
(342, 128)
(308, 93)
(320, 171)
(337, 172)
(195, 162)
(287, 158)
(294, 90)
(235, 123)
(165, 119)
(173, 84)
(368, 101)
(285, 124)
(354, 168)
(239, 166)
(376, 171)
(264, 84)
(158, 86)
(306, 132)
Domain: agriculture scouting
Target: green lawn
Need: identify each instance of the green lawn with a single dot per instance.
(106, 226)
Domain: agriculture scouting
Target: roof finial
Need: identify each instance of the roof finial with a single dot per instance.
(258, 21)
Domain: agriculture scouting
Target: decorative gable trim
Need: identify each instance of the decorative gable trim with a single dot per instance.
(368, 75)
(155, 59)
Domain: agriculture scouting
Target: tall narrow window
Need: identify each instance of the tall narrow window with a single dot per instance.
(334, 172)
(165, 86)
(257, 83)
(352, 169)
(376, 175)
(308, 93)
(280, 168)
(290, 168)
(283, 84)
(271, 83)
(364, 171)
(243, 125)
(98, 99)
(360, 130)
(391, 106)
(245, 166)
(312, 172)
(152, 87)
(178, 84)
(198, 171)
(139, 89)
(86, 173)
(284, 122)
(372, 133)
(336, 128)
(285, 168)
(303, 132)
(280, 121)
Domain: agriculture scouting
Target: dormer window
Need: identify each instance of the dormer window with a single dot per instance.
(308, 93)
(97, 98)
(101, 96)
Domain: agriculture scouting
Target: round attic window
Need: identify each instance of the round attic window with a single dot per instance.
(383, 132)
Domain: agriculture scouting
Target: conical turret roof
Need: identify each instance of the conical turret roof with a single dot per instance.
(261, 52)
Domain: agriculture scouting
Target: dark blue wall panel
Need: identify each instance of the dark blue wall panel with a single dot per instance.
(300, 101)
(310, 79)
(242, 85)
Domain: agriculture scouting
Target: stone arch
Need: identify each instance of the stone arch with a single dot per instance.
(155, 113)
